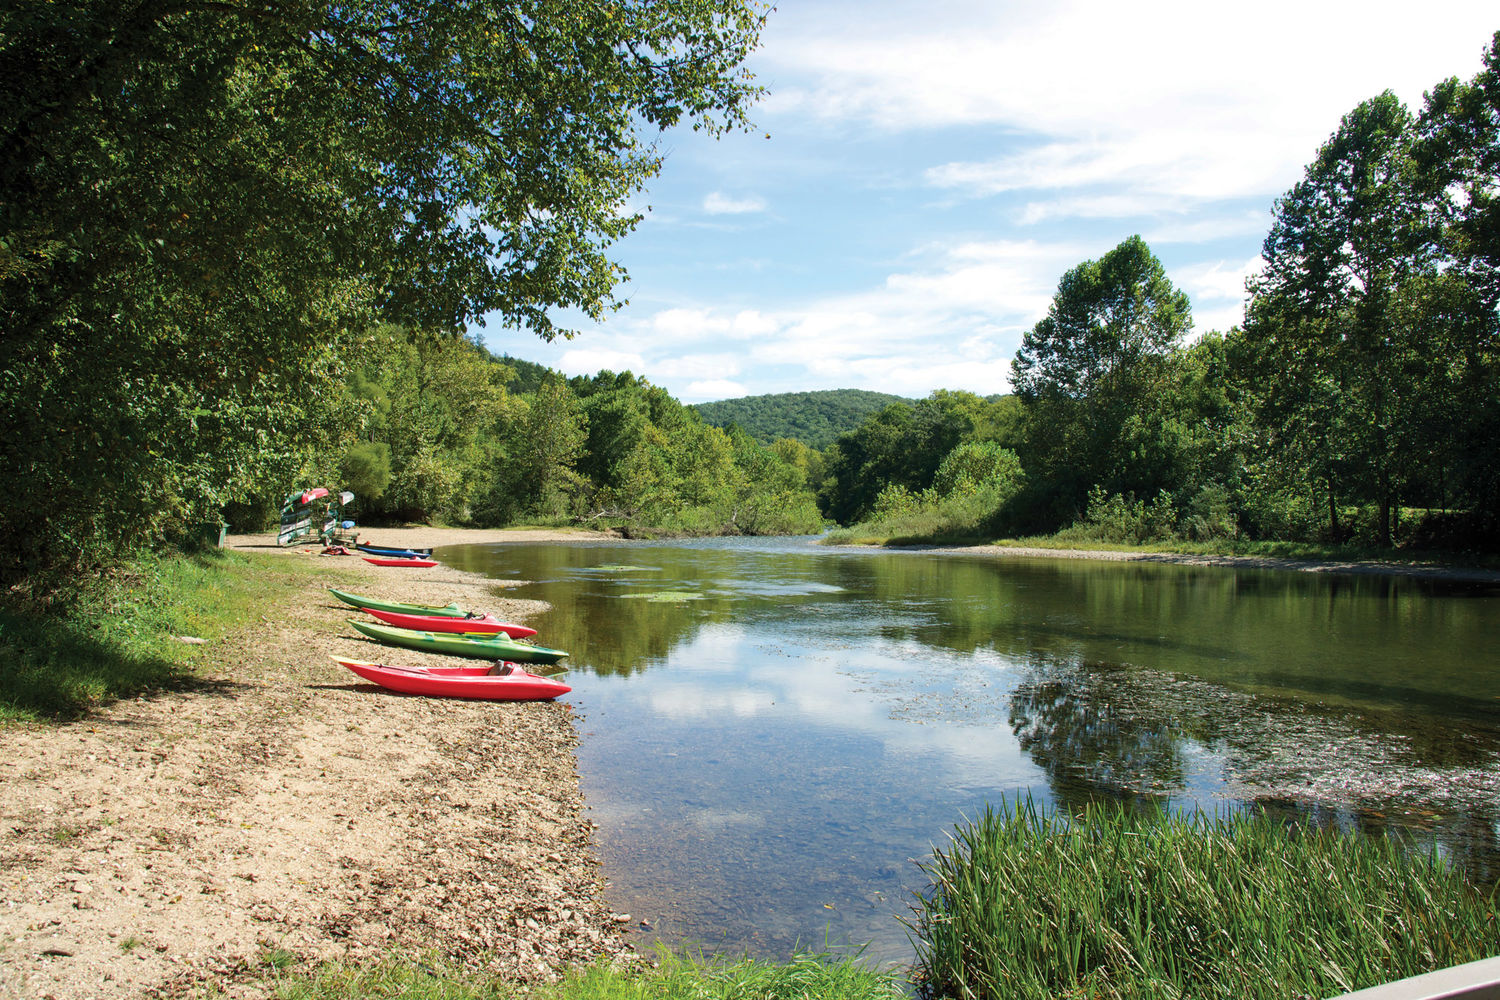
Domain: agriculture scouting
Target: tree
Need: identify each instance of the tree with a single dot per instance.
(1344, 253)
(1458, 155)
(205, 207)
(1090, 370)
(442, 393)
(552, 437)
(901, 446)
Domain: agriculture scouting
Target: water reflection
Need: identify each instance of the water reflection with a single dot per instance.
(1101, 730)
(771, 731)
(1091, 740)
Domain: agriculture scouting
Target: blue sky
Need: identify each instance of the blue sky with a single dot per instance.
(934, 167)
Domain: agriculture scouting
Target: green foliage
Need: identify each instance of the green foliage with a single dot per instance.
(1107, 317)
(439, 396)
(693, 977)
(1330, 314)
(813, 418)
(901, 445)
(206, 209)
(1124, 520)
(1096, 378)
(973, 486)
(540, 478)
(366, 470)
(978, 465)
(1119, 903)
(529, 375)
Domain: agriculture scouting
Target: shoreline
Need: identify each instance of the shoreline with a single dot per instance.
(277, 808)
(1426, 571)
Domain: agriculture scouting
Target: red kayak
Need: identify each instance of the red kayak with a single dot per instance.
(508, 682)
(430, 623)
(400, 562)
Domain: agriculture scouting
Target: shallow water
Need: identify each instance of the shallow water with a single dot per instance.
(772, 731)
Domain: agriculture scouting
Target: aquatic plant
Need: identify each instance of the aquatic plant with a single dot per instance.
(1124, 903)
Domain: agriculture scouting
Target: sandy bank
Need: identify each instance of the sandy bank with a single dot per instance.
(1371, 568)
(281, 806)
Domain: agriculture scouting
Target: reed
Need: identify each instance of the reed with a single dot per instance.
(1120, 903)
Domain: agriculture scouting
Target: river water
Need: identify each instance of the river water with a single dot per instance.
(773, 732)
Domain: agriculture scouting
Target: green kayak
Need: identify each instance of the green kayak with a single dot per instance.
(400, 608)
(482, 646)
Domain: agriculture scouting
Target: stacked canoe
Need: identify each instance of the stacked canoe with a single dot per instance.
(450, 630)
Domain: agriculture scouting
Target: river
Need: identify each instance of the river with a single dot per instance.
(772, 732)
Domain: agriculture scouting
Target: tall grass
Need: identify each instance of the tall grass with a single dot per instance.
(1123, 904)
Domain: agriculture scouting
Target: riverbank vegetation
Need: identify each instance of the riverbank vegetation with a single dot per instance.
(1121, 903)
(1359, 401)
(445, 439)
(129, 631)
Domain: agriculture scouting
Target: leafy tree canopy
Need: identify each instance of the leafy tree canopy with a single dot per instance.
(206, 206)
(1107, 315)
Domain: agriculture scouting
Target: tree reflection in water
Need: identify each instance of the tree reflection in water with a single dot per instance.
(1109, 730)
(1077, 724)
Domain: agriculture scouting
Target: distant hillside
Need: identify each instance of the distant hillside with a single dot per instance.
(814, 418)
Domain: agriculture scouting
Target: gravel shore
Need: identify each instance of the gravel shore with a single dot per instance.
(283, 808)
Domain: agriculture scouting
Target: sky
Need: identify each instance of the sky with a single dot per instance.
(923, 173)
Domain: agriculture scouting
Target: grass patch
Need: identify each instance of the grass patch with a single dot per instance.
(112, 637)
(1126, 904)
(805, 977)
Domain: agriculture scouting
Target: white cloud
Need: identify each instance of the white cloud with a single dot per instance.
(687, 324)
(1217, 289)
(1215, 280)
(1209, 228)
(713, 389)
(1118, 206)
(698, 366)
(718, 203)
(588, 360)
(1166, 97)
(1090, 66)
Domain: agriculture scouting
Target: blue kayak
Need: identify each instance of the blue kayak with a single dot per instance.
(376, 550)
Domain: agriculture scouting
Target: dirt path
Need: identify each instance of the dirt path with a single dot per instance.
(284, 809)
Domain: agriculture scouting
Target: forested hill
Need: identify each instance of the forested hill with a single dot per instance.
(814, 418)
